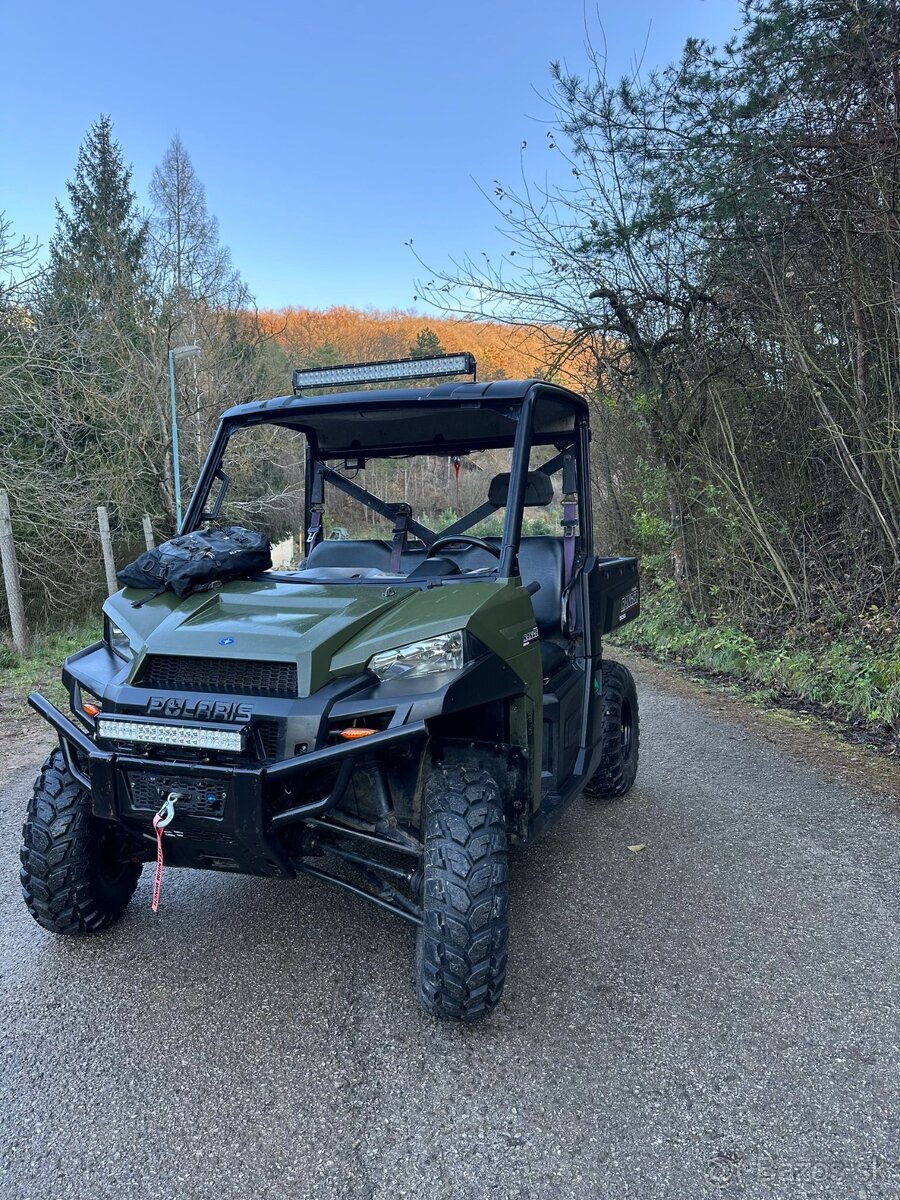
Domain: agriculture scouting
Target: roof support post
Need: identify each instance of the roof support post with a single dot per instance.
(512, 528)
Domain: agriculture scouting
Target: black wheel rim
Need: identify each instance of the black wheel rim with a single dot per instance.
(626, 724)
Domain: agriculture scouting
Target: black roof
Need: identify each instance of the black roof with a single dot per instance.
(443, 419)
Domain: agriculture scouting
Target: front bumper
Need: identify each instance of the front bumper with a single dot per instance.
(237, 829)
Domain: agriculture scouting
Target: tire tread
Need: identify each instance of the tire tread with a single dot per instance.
(463, 944)
(58, 874)
(616, 774)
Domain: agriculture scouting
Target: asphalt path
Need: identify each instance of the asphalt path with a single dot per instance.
(713, 1015)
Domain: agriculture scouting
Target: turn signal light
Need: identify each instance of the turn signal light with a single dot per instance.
(356, 732)
(92, 710)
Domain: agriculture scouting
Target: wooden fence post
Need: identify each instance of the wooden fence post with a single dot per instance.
(11, 578)
(148, 532)
(109, 563)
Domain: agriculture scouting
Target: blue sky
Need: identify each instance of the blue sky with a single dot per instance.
(328, 134)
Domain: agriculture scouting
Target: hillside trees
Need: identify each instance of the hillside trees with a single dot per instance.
(83, 353)
(313, 337)
(726, 249)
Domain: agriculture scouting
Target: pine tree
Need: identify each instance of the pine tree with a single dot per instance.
(97, 252)
(426, 345)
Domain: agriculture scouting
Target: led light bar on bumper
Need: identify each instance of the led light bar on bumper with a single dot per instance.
(384, 371)
(149, 733)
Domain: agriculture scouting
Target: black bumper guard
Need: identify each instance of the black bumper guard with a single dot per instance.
(253, 833)
(104, 763)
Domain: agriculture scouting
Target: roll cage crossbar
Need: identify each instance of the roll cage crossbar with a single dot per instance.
(369, 500)
(393, 511)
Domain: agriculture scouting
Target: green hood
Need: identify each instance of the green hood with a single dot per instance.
(327, 630)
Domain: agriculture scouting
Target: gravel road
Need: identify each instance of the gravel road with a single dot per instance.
(714, 1015)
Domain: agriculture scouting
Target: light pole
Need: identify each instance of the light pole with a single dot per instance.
(177, 352)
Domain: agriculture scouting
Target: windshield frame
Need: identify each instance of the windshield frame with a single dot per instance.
(521, 444)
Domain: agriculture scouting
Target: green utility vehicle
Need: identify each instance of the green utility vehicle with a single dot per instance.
(393, 715)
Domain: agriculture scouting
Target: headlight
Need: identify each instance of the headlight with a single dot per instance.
(117, 640)
(444, 653)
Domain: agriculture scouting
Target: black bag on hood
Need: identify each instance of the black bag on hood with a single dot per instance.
(197, 561)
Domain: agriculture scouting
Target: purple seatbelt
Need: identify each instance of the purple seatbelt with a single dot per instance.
(316, 509)
(398, 538)
(570, 529)
(315, 528)
(570, 525)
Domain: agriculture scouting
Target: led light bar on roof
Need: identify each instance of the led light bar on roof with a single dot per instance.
(385, 371)
(171, 735)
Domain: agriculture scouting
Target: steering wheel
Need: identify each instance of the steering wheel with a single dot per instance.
(453, 538)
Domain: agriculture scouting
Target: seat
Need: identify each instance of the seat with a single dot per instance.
(342, 553)
(540, 561)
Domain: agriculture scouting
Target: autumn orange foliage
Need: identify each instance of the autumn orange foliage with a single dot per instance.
(334, 335)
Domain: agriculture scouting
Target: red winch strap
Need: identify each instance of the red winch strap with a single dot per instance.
(163, 818)
(157, 881)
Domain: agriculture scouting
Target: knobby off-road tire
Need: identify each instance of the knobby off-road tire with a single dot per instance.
(620, 731)
(76, 876)
(461, 954)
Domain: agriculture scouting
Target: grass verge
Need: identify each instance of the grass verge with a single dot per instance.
(848, 678)
(39, 670)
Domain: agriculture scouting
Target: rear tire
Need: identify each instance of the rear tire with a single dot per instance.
(461, 953)
(77, 875)
(620, 731)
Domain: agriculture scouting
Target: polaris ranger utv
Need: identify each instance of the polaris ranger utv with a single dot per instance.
(391, 716)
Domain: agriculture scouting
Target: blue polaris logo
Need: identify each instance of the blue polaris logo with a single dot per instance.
(226, 641)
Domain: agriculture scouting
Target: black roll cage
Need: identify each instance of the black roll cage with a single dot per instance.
(317, 465)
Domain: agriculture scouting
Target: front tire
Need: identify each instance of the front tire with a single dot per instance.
(461, 955)
(78, 874)
(620, 733)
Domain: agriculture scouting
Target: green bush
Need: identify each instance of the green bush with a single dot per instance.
(853, 678)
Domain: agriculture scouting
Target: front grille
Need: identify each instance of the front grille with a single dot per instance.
(199, 797)
(268, 735)
(239, 676)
